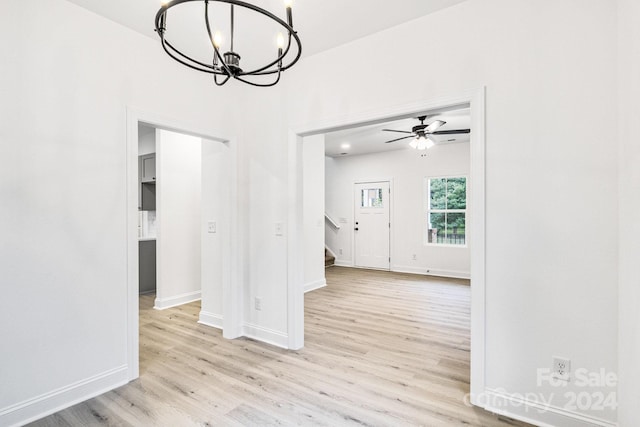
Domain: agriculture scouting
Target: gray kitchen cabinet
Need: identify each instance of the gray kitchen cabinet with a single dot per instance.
(148, 168)
(147, 182)
(147, 266)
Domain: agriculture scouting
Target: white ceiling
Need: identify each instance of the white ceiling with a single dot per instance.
(322, 24)
(371, 139)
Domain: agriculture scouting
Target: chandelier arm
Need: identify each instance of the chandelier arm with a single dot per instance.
(166, 45)
(216, 52)
(215, 80)
(261, 71)
(259, 84)
(233, 23)
(201, 64)
(226, 71)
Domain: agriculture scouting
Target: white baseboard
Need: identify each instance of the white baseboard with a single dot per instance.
(266, 335)
(313, 286)
(165, 303)
(343, 263)
(64, 397)
(430, 272)
(535, 413)
(210, 319)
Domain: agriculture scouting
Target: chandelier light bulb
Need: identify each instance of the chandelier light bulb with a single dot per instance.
(288, 4)
(217, 39)
(280, 41)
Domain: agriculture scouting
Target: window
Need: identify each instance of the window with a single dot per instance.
(446, 211)
(371, 198)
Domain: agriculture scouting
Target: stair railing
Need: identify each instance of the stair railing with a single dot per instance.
(331, 221)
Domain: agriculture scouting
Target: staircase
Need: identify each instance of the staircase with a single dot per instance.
(329, 260)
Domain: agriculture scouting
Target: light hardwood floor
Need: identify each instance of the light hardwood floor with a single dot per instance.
(382, 349)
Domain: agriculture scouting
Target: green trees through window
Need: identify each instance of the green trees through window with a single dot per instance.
(447, 211)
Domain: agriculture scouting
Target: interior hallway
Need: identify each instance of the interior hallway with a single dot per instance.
(380, 349)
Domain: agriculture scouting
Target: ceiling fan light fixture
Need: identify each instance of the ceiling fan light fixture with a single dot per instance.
(414, 143)
(226, 66)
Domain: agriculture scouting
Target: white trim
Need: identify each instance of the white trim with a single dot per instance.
(476, 231)
(232, 278)
(165, 303)
(314, 286)
(266, 335)
(49, 403)
(425, 271)
(536, 413)
(295, 243)
(343, 263)
(475, 99)
(212, 320)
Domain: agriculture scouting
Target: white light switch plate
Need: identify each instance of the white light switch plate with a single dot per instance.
(279, 229)
(211, 227)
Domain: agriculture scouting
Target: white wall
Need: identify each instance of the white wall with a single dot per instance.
(67, 78)
(313, 211)
(179, 194)
(407, 170)
(629, 227)
(551, 182)
(263, 200)
(215, 204)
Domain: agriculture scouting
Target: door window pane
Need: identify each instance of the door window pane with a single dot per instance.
(371, 198)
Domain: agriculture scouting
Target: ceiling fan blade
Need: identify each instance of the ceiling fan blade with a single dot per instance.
(399, 139)
(399, 131)
(435, 126)
(450, 132)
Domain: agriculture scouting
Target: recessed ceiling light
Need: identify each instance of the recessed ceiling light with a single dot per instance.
(345, 146)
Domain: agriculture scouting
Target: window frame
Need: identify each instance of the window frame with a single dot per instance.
(427, 211)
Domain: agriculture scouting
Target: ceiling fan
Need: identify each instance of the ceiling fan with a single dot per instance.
(420, 133)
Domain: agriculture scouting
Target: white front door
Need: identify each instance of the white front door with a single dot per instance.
(372, 225)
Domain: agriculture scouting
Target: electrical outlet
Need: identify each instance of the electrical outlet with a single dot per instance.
(279, 228)
(340, 251)
(415, 257)
(258, 303)
(211, 227)
(561, 368)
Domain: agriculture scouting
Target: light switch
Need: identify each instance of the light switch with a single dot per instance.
(279, 229)
(211, 227)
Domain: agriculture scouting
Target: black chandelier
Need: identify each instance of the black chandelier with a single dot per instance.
(225, 66)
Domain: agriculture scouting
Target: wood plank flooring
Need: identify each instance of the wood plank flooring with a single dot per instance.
(382, 349)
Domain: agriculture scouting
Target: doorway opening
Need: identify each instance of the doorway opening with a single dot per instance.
(474, 227)
(182, 196)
